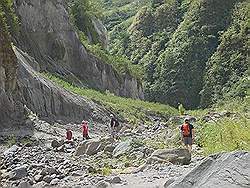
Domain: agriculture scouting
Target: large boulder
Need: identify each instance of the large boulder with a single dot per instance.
(93, 146)
(18, 173)
(175, 156)
(122, 148)
(218, 171)
(11, 151)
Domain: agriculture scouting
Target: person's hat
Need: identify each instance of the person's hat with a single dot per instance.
(186, 119)
(111, 115)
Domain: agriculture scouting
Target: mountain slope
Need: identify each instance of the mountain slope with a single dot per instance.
(226, 70)
(48, 35)
(177, 43)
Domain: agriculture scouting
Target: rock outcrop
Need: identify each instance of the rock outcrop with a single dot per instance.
(218, 171)
(91, 147)
(175, 156)
(47, 99)
(48, 36)
(11, 109)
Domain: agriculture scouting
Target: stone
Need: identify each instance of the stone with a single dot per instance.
(11, 150)
(18, 173)
(92, 169)
(24, 184)
(54, 181)
(47, 179)
(116, 180)
(174, 156)
(40, 184)
(56, 144)
(122, 148)
(38, 178)
(102, 184)
(12, 109)
(109, 148)
(77, 173)
(48, 171)
(221, 170)
(93, 146)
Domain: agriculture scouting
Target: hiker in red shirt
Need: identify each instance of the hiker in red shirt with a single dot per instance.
(85, 130)
(69, 136)
(187, 132)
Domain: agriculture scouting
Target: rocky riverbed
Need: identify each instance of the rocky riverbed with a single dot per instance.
(41, 158)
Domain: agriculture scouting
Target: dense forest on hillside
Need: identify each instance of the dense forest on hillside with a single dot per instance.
(189, 52)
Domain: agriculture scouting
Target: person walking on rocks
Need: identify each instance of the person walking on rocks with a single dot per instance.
(69, 136)
(114, 123)
(85, 130)
(187, 134)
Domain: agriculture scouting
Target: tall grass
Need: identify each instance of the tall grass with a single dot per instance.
(227, 133)
(132, 110)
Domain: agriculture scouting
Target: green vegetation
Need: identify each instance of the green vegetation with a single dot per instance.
(227, 133)
(133, 111)
(10, 19)
(191, 51)
(121, 64)
(12, 140)
(83, 14)
(226, 74)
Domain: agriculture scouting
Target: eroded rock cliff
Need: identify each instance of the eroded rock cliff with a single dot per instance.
(49, 101)
(11, 109)
(48, 36)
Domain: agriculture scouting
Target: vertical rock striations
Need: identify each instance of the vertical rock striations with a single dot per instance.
(48, 36)
(11, 109)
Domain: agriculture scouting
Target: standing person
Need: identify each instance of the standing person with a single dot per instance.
(181, 109)
(114, 126)
(85, 130)
(69, 136)
(187, 132)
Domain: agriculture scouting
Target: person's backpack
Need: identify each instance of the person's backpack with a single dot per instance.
(185, 129)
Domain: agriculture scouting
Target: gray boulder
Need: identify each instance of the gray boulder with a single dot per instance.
(102, 184)
(24, 184)
(18, 173)
(11, 150)
(218, 171)
(93, 146)
(122, 148)
(48, 171)
(56, 144)
(47, 179)
(116, 180)
(175, 156)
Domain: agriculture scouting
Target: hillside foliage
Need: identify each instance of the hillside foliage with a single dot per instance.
(9, 17)
(183, 47)
(83, 13)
